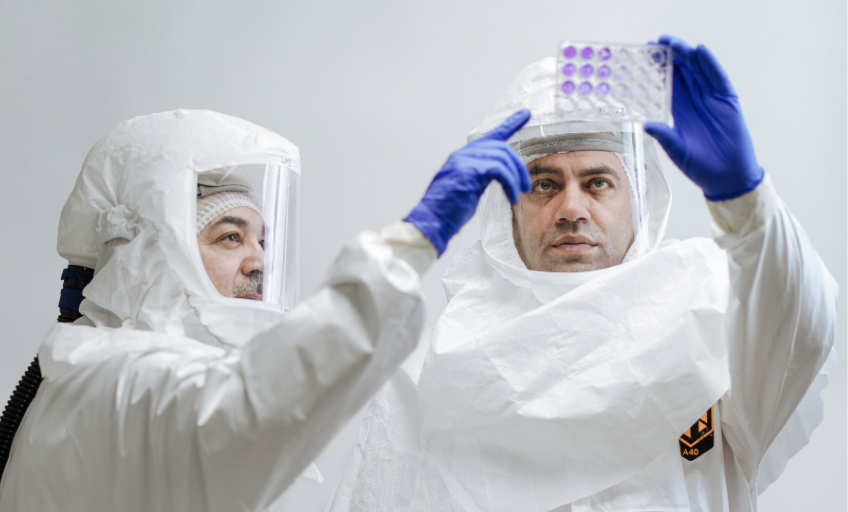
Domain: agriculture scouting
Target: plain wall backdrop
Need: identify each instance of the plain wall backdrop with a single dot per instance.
(377, 94)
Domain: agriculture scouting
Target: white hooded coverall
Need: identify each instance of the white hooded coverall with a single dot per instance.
(574, 392)
(166, 396)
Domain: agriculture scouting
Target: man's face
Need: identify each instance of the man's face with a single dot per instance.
(576, 216)
(233, 251)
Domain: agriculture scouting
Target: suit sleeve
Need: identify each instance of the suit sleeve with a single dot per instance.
(781, 320)
(283, 396)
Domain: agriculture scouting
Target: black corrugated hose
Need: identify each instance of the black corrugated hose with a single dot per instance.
(15, 409)
(75, 278)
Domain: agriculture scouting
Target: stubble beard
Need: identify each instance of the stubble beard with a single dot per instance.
(250, 288)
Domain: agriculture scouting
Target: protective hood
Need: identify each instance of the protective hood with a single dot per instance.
(545, 134)
(132, 217)
(544, 391)
(532, 379)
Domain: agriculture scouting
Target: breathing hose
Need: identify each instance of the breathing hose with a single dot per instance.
(75, 278)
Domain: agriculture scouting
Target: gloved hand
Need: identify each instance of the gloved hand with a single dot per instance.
(452, 197)
(709, 142)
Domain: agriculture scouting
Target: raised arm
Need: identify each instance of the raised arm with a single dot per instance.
(782, 315)
(304, 378)
(300, 381)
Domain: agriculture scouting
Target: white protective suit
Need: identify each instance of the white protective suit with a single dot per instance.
(167, 396)
(575, 391)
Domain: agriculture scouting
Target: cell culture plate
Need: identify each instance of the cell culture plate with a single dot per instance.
(621, 82)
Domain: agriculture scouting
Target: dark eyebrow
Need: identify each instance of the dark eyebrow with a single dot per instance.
(591, 171)
(541, 169)
(598, 170)
(235, 221)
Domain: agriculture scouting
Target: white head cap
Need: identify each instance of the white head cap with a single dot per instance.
(211, 206)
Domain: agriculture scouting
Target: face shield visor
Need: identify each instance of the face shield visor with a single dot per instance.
(247, 232)
(550, 131)
(618, 156)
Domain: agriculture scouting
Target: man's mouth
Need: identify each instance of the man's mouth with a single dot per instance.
(251, 296)
(573, 243)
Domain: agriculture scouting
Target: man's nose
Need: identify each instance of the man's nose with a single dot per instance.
(573, 205)
(254, 259)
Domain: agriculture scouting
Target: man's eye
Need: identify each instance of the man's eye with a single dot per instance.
(543, 186)
(262, 244)
(599, 183)
(230, 237)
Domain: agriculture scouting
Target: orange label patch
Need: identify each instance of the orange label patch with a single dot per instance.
(699, 438)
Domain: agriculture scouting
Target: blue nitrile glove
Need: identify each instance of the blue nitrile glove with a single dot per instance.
(451, 199)
(709, 142)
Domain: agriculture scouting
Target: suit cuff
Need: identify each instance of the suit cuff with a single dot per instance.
(410, 245)
(746, 213)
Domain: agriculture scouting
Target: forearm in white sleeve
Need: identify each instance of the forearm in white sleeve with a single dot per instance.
(780, 320)
(163, 422)
(308, 375)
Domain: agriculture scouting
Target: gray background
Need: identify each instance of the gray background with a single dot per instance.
(376, 96)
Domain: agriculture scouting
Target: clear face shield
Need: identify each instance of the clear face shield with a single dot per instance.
(591, 99)
(599, 178)
(247, 232)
